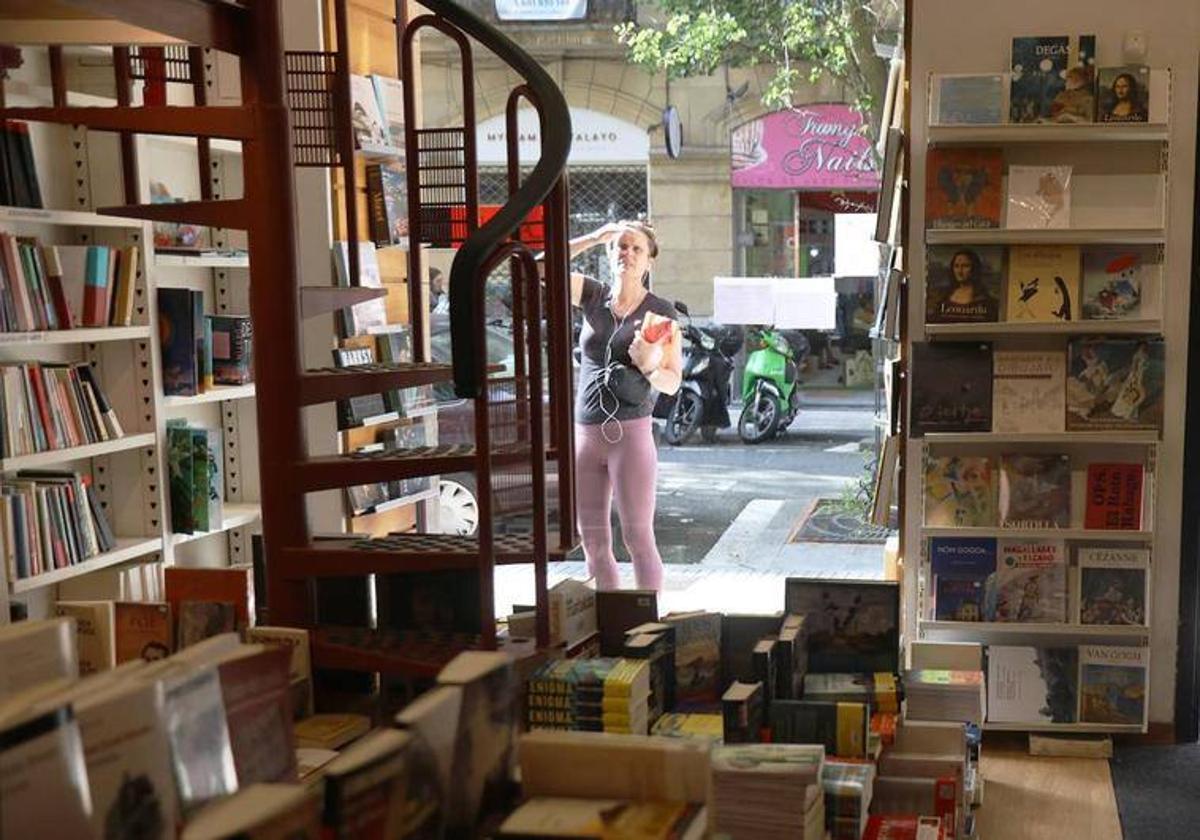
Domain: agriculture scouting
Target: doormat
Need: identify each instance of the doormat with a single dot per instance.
(826, 521)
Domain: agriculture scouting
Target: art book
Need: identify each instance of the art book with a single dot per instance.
(853, 626)
(961, 568)
(389, 93)
(1035, 491)
(365, 118)
(1113, 586)
(1043, 283)
(1115, 383)
(1114, 497)
(963, 188)
(968, 99)
(1052, 79)
(958, 599)
(1112, 684)
(1039, 197)
(1032, 685)
(960, 492)
(1124, 94)
(1113, 280)
(951, 388)
(361, 318)
(962, 284)
(1030, 585)
(1028, 391)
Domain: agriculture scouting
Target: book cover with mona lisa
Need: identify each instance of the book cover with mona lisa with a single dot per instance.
(962, 283)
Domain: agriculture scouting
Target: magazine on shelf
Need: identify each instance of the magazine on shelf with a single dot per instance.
(1124, 94)
(1114, 282)
(1112, 684)
(1030, 586)
(1039, 197)
(963, 188)
(1113, 586)
(1032, 685)
(960, 492)
(968, 99)
(962, 283)
(1043, 283)
(1115, 383)
(1052, 79)
(1035, 491)
(1028, 391)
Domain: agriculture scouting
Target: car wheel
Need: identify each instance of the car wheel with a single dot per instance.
(458, 510)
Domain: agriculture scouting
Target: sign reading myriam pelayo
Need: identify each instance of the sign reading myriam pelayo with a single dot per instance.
(819, 147)
(541, 9)
(595, 138)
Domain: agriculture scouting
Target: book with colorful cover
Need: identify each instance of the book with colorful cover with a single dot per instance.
(1052, 79)
(853, 625)
(951, 387)
(1030, 586)
(963, 188)
(1112, 684)
(1115, 383)
(958, 599)
(1038, 197)
(1113, 586)
(1114, 497)
(1043, 283)
(1028, 391)
(960, 492)
(387, 204)
(1114, 280)
(1032, 685)
(179, 333)
(697, 657)
(961, 567)
(1124, 94)
(1035, 491)
(962, 283)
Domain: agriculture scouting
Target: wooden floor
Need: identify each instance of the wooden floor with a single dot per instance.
(1036, 798)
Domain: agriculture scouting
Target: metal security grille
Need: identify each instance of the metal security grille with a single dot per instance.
(598, 194)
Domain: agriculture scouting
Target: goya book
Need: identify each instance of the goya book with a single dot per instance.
(1113, 586)
(1028, 391)
(1030, 585)
(1035, 491)
(853, 626)
(1112, 684)
(1043, 283)
(951, 388)
(1124, 94)
(1039, 197)
(1052, 78)
(1114, 497)
(697, 657)
(968, 99)
(1115, 383)
(1032, 685)
(960, 491)
(963, 188)
(962, 284)
(1113, 282)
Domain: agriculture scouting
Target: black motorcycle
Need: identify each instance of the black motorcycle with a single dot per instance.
(702, 402)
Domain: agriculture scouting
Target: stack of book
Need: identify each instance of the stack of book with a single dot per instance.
(945, 695)
(878, 690)
(51, 520)
(690, 725)
(195, 459)
(60, 287)
(201, 351)
(655, 643)
(53, 406)
(848, 786)
(18, 174)
(769, 791)
(598, 695)
(206, 602)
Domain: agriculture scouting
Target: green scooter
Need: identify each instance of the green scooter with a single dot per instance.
(770, 395)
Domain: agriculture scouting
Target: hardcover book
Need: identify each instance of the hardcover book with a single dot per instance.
(387, 201)
(1115, 383)
(958, 598)
(1028, 391)
(179, 333)
(45, 775)
(1030, 585)
(951, 388)
(181, 474)
(365, 118)
(1052, 79)
(963, 188)
(739, 634)
(230, 584)
(1043, 283)
(1113, 282)
(968, 99)
(1112, 684)
(1032, 685)
(697, 657)
(1035, 491)
(742, 709)
(617, 610)
(1039, 197)
(1114, 497)
(200, 620)
(201, 755)
(1124, 94)
(842, 728)
(143, 630)
(853, 626)
(366, 788)
(962, 284)
(94, 633)
(1113, 586)
(960, 492)
(961, 568)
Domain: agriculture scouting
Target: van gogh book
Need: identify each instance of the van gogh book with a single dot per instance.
(962, 283)
(1035, 491)
(963, 188)
(960, 492)
(1113, 586)
(1112, 684)
(1039, 197)
(1030, 584)
(1028, 391)
(1042, 88)
(1114, 383)
(1032, 685)
(1113, 282)
(1043, 283)
(951, 388)
(968, 99)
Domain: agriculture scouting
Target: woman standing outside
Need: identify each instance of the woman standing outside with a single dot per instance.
(619, 373)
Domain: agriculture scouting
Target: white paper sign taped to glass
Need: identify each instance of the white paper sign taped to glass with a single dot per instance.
(541, 9)
(784, 302)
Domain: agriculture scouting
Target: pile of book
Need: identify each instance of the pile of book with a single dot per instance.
(53, 406)
(848, 786)
(945, 695)
(50, 520)
(60, 287)
(201, 351)
(18, 174)
(599, 695)
(768, 791)
(195, 459)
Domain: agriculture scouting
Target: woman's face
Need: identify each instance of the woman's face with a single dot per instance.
(1121, 88)
(632, 256)
(960, 267)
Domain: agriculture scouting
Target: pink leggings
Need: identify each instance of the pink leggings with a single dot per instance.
(630, 466)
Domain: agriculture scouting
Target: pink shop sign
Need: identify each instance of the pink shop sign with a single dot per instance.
(810, 147)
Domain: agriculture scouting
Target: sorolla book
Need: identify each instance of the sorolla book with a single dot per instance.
(1114, 383)
(962, 284)
(952, 388)
(963, 188)
(1035, 491)
(959, 492)
(1113, 282)
(1112, 684)
(1043, 283)
(1052, 79)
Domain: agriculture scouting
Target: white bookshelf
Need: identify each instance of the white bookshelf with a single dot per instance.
(1041, 726)
(80, 335)
(1004, 632)
(1003, 329)
(212, 395)
(65, 218)
(1039, 236)
(128, 548)
(40, 460)
(1076, 534)
(1114, 438)
(236, 260)
(234, 516)
(1004, 133)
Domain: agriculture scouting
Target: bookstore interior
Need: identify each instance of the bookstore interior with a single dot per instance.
(230, 610)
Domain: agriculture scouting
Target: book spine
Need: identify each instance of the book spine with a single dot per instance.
(58, 294)
(106, 410)
(20, 289)
(21, 193)
(377, 207)
(34, 289)
(28, 166)
(94, 282)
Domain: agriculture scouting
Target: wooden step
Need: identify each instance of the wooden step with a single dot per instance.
(321, 300)
(333, 471)
(233, 122)
(227, 213)
(416, 654)
(400, 553)
(320, 385)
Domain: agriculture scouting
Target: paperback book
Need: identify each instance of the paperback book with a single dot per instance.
(1052, 79)
(963, 188)
(1032, 685)
(1113, 282)
(387, 202)
(951, 388)
(1114, 497)
(365, 118)
(1039, 197)
(1030, 585)
(1115, 383)
(960, 492)
(390, 94)
(1043, 283)
(962, 284)
(1035, 491)
(1112, 684)
(961, 568)
(968, 99)
(1124, 94)
(1028, 391)
(1113, 586)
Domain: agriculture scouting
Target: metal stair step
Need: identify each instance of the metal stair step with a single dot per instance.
(321, 385)
(411, 653)
(333, 471)
(400, 553)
